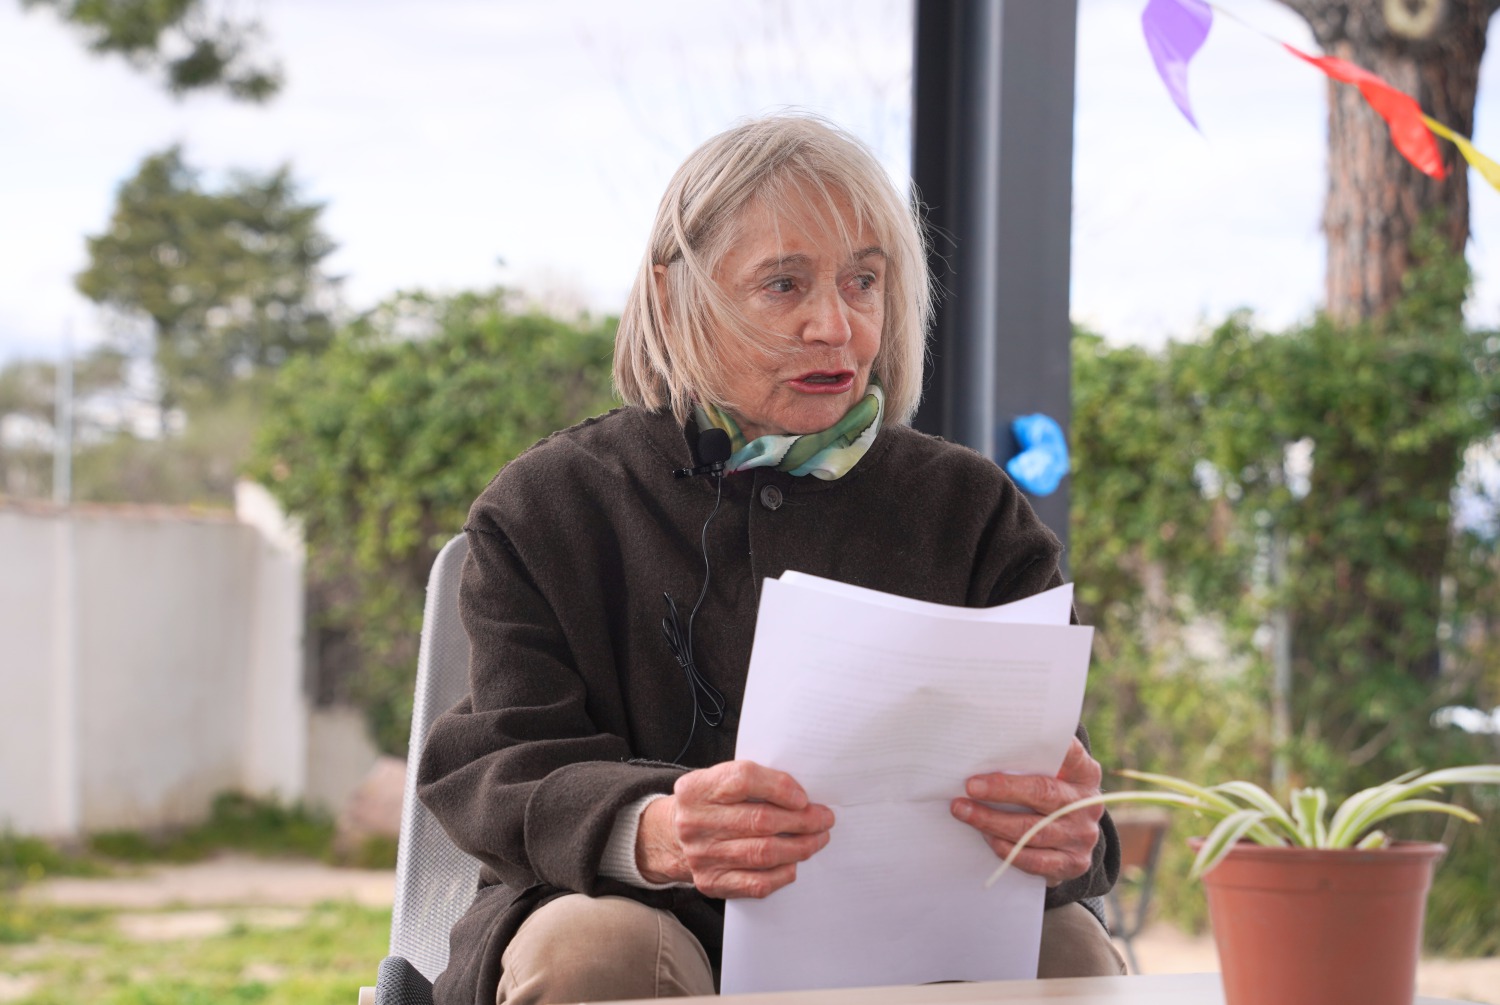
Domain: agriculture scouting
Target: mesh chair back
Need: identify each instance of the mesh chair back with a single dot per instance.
(435, 882)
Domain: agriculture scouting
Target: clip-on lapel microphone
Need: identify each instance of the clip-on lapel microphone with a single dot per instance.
(713, 451)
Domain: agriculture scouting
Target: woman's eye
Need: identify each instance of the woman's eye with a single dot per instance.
(782, 285)
(864, 283)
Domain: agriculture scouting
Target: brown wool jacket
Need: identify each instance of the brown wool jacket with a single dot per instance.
(577, 706)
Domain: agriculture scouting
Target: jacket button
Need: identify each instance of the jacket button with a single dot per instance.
(770, 497)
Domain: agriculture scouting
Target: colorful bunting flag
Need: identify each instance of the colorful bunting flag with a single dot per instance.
(1400, 110)
(1488, 169)
(1175, 31)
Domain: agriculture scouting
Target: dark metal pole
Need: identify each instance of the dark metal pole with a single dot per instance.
(992, 159)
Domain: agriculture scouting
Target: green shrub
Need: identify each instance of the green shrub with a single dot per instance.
(28, 859)
(380, 445)
(237, 822)
(1194, 522)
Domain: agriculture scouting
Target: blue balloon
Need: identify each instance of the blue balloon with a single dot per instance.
(1043, 461)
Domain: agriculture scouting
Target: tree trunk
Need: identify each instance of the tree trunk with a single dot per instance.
(1431, 49)
(1374, 535)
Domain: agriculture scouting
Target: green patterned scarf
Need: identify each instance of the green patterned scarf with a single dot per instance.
(828, 455)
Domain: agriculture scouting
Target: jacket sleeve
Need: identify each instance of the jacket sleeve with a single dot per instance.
(518, 773)
(1017, 575)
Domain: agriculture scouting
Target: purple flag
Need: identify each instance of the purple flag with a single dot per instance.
(1175, 31)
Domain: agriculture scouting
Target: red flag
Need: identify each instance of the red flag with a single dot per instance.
(1400, 111)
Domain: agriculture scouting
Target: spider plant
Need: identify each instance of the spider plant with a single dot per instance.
(1244, 810)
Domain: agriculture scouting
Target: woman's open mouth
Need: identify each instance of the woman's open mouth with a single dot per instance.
(824, 381)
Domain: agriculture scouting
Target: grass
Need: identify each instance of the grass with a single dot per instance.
(79, 957)
(82, 956)
(22, 924)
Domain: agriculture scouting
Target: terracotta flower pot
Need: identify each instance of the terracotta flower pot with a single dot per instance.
(1308, 925)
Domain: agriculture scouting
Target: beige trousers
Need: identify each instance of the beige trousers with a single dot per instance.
(588, 949)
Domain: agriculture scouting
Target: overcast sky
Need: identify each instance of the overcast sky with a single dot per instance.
(450, 136)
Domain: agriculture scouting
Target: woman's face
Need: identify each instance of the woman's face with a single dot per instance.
(800, 285)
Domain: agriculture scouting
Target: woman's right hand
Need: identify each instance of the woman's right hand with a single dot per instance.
(736, 829)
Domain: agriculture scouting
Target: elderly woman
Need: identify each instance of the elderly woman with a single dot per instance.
(783, 300)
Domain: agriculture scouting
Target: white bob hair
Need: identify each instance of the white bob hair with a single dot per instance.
(677, 341)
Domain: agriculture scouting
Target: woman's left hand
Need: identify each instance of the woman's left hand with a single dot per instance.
(1062, 850)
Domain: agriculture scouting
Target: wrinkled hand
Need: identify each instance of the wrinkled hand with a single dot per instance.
(1062, 850)
(736, 829)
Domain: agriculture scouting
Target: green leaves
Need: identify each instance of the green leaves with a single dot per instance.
(1363, 810)
(1331, 453)
(193, 48)
(380, 445)
(1104, 799)
(1254, 796)
(228, 282)
(1242, 810)
(1248, 495)
(1308, 808)
(1221, 840)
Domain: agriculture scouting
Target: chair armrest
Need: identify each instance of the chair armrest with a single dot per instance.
(400, 983)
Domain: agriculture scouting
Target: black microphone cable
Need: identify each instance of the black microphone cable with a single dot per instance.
(708, 701)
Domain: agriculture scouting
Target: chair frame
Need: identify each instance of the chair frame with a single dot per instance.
(435, 881)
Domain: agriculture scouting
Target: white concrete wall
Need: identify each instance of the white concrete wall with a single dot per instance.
(340, 754)
(276, 710)
(165, 614)
(181, 676)
(29, 790)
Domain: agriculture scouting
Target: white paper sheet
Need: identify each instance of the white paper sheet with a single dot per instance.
(881, 707)
(1051, 607)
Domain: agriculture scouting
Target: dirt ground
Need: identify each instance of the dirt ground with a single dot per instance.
(236, 881)
(224, 881)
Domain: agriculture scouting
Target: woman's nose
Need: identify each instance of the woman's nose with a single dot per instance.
(829, 319)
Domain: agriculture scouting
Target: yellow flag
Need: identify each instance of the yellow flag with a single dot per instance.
(1486, 167)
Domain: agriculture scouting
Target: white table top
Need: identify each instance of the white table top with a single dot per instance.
(1149, 989)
